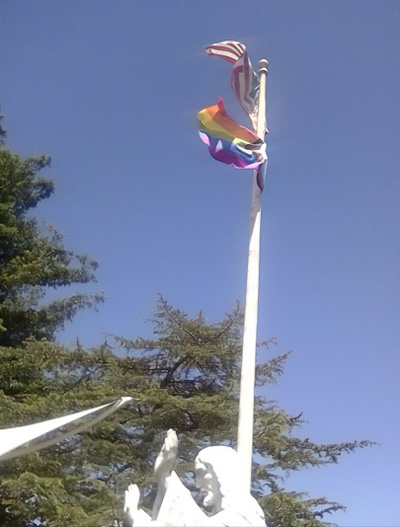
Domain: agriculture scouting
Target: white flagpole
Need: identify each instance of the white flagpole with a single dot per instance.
(247, 381)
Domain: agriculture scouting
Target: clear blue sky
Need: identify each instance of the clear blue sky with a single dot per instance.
(111, 91)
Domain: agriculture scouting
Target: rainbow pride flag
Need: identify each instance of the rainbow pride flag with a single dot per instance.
(229, 142)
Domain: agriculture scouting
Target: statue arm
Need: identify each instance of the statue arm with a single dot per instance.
(163, 468)
(133, 514)
(166, 458)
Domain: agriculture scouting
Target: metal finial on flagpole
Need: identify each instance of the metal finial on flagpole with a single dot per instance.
(263, 64)
(247, 381)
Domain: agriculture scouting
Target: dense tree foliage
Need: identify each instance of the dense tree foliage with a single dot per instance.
(33, 259)
(184, 377)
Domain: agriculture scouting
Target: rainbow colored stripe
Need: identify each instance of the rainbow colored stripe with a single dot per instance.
(227, 141)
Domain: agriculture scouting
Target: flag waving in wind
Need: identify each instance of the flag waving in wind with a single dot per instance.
(229, 142)
(245, 81)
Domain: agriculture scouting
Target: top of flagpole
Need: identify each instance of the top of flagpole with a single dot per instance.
(263, 64)
(262, 128)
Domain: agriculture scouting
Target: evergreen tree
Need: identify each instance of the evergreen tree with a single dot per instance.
(33, 259)
(185, 377)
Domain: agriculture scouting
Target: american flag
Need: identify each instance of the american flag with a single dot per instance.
(245, 82)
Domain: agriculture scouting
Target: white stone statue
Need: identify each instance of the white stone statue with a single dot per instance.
(217, 476)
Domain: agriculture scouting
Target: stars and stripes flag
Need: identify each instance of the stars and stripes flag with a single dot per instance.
(244, 80)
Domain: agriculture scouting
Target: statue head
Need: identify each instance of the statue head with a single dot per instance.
(217, 474)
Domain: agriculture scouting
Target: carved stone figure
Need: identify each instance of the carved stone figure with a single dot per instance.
(217, 476)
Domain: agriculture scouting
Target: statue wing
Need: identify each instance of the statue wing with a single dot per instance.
(24, 439)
